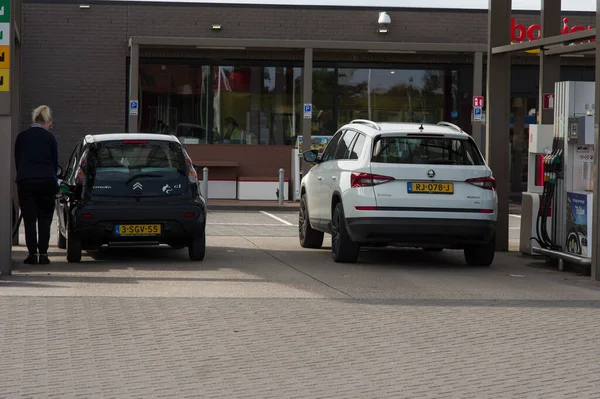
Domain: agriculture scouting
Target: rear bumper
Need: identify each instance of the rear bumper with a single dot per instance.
(447, 233)
(96, 225)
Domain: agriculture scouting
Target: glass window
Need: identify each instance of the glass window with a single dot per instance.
(72, 162)
(396, 95)
(256, 105)
(343, 149)
(114, 165)
(358, 147)
(323, 93)
(425, 150)
(174, 100)
(331, 147)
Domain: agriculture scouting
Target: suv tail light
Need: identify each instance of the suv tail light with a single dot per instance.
(487, 183)
(368, 179)
(192, 175)
(80, 174)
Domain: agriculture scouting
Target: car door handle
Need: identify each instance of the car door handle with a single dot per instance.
(319, 178)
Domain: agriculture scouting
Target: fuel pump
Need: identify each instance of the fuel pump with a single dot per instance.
(568, 177)
(540, 147)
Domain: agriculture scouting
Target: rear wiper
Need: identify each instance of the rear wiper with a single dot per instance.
(132, 178)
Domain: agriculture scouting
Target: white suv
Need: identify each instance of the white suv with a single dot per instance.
(402, 184)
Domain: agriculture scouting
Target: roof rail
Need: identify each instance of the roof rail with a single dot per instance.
(451, 125)
(374, 125)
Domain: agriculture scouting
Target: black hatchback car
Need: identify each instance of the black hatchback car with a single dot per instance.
(133, 189)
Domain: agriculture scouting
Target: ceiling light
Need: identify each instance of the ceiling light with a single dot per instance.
(220, 48)
(392, 51)
(84, 6)
(216, 27)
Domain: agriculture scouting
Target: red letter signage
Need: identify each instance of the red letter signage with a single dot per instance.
(519, 33)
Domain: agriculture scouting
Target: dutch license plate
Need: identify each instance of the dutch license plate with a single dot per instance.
(430, 188)
(138, 229)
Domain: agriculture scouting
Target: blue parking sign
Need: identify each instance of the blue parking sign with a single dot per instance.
(133, 107)
(477, 113)
(307, 111)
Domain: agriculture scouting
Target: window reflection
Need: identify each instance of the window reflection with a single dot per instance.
(256, 105)
(323, 98)
(174, 100)
(395, 95)
(263, 104)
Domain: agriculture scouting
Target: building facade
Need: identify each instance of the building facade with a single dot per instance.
(229, 79)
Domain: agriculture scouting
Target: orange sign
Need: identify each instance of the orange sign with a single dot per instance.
(4, 57)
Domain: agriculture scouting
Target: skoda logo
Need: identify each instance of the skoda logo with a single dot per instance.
(430, 173)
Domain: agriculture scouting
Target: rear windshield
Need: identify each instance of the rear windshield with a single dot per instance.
(137, 168)
(425, 150)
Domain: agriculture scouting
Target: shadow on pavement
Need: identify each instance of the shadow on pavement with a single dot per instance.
(393, 275)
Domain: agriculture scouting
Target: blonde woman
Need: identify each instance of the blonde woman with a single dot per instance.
(36, 158)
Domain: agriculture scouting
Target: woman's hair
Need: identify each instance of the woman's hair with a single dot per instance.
(42, 114)
(231, 121)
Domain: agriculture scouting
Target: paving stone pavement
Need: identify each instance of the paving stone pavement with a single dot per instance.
(263, 318)
(265, 348)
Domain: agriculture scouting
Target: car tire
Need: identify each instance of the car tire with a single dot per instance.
(74, 247)
(62, 240)
(309, 237)
(343, 249)
(197, 248)
(481, 255)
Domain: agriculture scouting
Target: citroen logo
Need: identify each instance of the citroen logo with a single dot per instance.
(430, 173)
(138, 186)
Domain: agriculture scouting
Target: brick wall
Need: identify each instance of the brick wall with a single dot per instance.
(75, 59)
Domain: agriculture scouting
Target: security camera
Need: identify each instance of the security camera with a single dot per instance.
(384, 18)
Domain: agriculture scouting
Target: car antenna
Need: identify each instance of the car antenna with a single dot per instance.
(421, 127)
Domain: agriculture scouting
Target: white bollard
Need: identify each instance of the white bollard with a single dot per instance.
(205, 183)
(281, 185)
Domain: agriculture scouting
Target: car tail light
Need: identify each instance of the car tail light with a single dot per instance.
(80, 174)
(368, 179)
(192, 174)
(189, 214)
(135, 141)
(486, 210)
(86, 215)
(487, 183)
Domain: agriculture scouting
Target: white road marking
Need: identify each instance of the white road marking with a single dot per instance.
(277, 218)
(246, 224)
(517, 216)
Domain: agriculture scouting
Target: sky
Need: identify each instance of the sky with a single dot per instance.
(567, 5)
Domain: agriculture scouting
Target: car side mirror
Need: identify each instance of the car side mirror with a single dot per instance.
(311, 156)
(59, 172)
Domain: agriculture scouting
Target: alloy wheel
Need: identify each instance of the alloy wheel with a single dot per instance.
(335, 236)
(302, 221)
